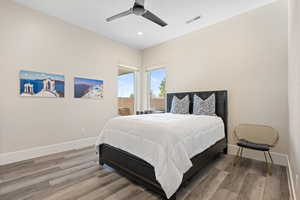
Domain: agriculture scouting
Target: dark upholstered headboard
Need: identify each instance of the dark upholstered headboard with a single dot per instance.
(221, 103)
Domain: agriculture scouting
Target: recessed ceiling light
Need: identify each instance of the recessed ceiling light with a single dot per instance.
(140, 33)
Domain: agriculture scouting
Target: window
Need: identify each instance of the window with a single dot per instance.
(126, 92)
(157, 89)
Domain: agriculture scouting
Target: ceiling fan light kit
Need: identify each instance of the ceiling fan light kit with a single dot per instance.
(139, 10)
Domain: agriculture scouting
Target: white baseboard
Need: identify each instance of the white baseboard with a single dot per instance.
(279, 158)
(291, 181)
(11, 157)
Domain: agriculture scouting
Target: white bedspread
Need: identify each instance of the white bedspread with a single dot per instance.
(166, 141)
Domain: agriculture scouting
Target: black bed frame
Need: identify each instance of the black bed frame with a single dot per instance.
(142, 173)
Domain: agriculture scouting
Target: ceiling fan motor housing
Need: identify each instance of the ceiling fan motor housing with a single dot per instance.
(138, 9)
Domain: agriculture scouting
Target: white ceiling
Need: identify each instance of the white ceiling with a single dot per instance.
(91, 14)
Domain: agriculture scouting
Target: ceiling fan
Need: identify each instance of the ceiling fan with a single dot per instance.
(139, 10)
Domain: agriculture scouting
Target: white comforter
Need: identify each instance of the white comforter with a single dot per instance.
(166, 141)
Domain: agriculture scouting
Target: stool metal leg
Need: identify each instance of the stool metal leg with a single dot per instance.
(237, 156)
(270, 157)
(272, 162)
(242, 153)
(267, 163)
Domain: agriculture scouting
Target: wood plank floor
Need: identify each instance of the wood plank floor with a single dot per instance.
(76, 175)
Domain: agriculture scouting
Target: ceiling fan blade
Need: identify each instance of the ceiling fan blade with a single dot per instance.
(140, 2)
(117, 16)
(152, 17)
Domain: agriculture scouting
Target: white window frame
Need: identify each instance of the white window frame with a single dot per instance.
(148, 83)
(136, 86)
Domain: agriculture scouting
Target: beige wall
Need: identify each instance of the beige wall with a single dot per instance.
(294, 89)
(33, 41)
(246, 55)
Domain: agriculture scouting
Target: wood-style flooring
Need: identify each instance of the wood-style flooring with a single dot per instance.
(76, 175)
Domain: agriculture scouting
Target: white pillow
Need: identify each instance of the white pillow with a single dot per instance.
(180, 106)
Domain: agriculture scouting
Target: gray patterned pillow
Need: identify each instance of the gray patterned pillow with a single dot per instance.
(204, 107)
(180, 106)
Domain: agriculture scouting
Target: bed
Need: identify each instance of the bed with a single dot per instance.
(139, 167)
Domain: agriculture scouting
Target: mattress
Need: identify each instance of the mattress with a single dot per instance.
(166, 141)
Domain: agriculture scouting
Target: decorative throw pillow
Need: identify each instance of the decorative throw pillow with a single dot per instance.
(204, 107)
(180, 106)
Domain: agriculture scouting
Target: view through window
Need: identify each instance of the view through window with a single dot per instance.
(157, 89)
(126, 93)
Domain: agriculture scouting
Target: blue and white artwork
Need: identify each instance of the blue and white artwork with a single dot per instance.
(88, 88)
(38, 84)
